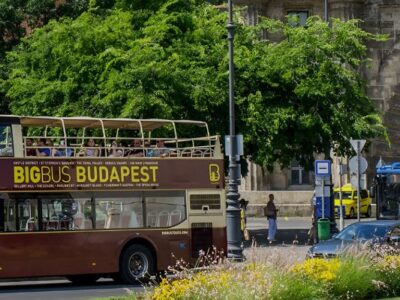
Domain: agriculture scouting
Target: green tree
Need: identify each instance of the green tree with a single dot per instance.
(304, 94)
(19, 17)
(297, 96)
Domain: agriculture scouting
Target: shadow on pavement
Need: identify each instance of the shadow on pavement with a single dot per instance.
(283, 236)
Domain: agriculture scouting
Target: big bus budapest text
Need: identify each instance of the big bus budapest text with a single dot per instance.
(87, 197)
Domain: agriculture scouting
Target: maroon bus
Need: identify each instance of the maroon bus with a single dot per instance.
(87, 197)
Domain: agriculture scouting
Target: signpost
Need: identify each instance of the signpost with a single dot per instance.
(322, 195)
(342, 170)
(358, 165)
(322, 176)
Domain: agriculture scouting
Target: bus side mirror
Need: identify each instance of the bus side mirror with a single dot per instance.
(372, 191)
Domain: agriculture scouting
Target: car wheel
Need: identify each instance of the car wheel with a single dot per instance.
(137, 264)
(352, 213)
(368, 213)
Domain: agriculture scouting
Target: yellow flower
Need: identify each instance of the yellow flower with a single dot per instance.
(391, 262)
(318, 269)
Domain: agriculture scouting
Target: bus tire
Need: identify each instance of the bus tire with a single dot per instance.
(369, 211)
(83, 279)
(137, 264)
(352, 213)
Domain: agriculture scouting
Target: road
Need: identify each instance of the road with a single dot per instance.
(63, 290)
(291, 230)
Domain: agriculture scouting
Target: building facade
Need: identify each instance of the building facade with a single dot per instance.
(382, 77)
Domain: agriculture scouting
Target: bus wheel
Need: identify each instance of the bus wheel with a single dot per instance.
(83, 279)
(352, 213)
(137, 264)
(368, 214)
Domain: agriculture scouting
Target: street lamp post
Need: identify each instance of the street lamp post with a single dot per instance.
(326, 10)
(233, 211)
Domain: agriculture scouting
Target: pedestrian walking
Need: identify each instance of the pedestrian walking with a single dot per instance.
(271, 213)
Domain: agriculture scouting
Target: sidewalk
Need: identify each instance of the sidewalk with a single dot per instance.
(291, 230)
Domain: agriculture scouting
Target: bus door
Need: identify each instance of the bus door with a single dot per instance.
(207, 220)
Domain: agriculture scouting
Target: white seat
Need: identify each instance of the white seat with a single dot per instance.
(175, 217)
(30, 225)
(151, 219)
(163, 219)
(113, 218)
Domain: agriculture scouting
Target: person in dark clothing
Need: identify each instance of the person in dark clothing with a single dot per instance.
(271, 213)
(29, 150)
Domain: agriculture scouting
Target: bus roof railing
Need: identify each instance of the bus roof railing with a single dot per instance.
(140, 125)
(89, 122)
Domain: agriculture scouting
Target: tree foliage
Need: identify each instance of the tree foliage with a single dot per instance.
(296, 96)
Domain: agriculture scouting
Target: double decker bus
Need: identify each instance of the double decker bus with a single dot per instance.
(89, 197)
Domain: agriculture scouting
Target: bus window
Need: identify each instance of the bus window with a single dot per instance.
(65, 213)
(6, 143)
(165, 210)
(123, 212)
(27, 214)
(205, 202)
(9, 215)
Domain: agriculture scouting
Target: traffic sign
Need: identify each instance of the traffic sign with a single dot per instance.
(353, 181)
(357, 145)
(323, 168)
(353, 164)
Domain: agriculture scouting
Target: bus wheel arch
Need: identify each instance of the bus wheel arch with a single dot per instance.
(138, 261)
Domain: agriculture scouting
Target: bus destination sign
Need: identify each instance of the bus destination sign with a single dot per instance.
(57, 174)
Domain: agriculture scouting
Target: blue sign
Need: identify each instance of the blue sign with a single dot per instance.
(327, 207)
(323, 168)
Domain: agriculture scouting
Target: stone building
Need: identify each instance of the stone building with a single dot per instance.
(382, 77)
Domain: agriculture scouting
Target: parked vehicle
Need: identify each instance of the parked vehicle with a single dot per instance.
(349, 201)
(358, 234)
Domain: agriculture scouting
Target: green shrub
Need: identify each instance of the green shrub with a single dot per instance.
(354, 280)
(289, 286)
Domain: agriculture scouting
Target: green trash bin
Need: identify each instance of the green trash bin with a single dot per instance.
(324, 229)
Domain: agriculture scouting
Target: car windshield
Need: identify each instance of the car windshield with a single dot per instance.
(359, 231)
(345, 195)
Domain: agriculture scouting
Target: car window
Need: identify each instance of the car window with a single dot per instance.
(364, 194)
(360, 231)
(345, 195)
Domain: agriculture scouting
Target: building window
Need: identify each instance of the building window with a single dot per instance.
(298, 17)
(298, 175)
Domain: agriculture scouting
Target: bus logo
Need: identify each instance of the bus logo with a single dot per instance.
(213, 170)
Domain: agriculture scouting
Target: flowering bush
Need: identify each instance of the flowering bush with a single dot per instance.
(318, 269)
(364, 275)
(389, 270)
(249, 282)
